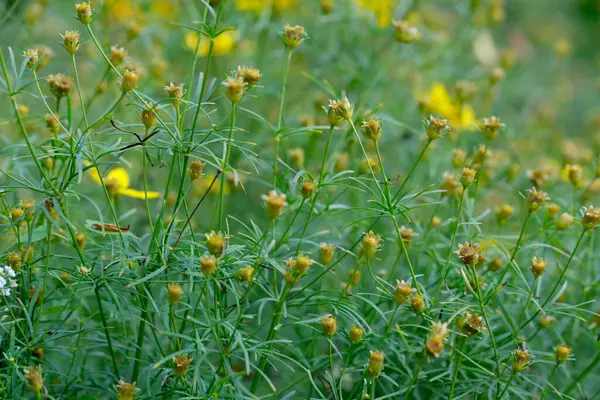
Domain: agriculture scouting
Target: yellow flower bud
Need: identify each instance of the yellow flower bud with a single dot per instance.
(562, 353)
(174, 293)
(538, 266)
(329, 325)
(375, 367)
(181, 364)
(356, 334)
(71, 41)
(208, 264)
(84, 13)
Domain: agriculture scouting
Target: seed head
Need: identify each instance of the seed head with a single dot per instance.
(434, 346)
(472, 324)
(417, 303)
(341, 162)
(297, 157)
(126, 390)
(297, 268)
(503, 213)
(148, 118)
(536, 199)
(175, 93)
(435, 221)
(326, 253)
(538, 266)
(403, 292)
(130, 80)
(491, 127)
(356, 334)
(16, 214)
(465, 90)
(407, 235)
(370, 243)
(293, 36)
(52, 123)
(468, 253)
(195, 170)
(71, 41)
(562, 353)
(181, 364)
(208, 264)
(60, 85)
(467, 177)
(404, 33)
(591, 217)
(450, 185)
(496, 264)
(249, 75)
(174, 292)
(14, 260)
(308, 189)
(521, 361)
(546, 321)
(496, 75)
(552, 209)
(353, 277)
(275, 204)
(372, 129)
(245, 274)
(375, 363)
(436, 127)
(329, 325)
(33, 375)
(80, 240)
(458, 158)
(574, 174)
(84, 13)
(33, 57)
(216, 243)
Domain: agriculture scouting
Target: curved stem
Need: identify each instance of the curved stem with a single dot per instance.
(286, 70)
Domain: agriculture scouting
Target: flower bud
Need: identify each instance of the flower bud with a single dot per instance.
(372, 129)
(117, 55)
(175, 93)
(16, 214)
(33, 375)
(80, 240)
(591, 217)
(329, 325)
(216, 243)
(458, 157)
(406, 236)
(174, 292)
(403, 292)
(536, 198)
(353, 277)
(14, 260)
(208, 264)
(370, 243)
(472, 324)
(496, 264)
(404, 33)
(562, 353)
(436, 127)
(491, 127)
(546, 321)
(297, 157)
(84, 13)
(435, 221)
(293, 36)
(125, 390)
(130, 80)
(38, 353)
(308, 189)
(503, 213)
(275, 204)
(375, 367)
(60, 85)
(148, 118)
(468, 253)
(327, 251)
(71, 41)
(195, 170)
(249, 75)
(552, 209)
(234, 89)
(467, 177)
(52, 123)
(245, 274)
(434, 346)
(33, 57)
(538, 266)
(341, 162)
(356, 334)
(181, 364)
(417, 303)
(563, 221)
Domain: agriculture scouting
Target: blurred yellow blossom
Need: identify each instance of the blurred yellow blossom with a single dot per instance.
(382, 9)
(117, 183)
(121, 10)
(437, 100)
(259, 5)
(224, 43)
(165, 9)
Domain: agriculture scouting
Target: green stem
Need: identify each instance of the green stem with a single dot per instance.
(549, 380)
(524, 312)
(107, 333)
(278, 138)
(224, 162)
(485, 317)
(79, 90)
(457, 366)
(512, 375)
(415, 377)
(591, 367)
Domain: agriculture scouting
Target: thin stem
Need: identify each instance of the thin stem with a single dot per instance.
(564, 271)
(415, 377)
(591, 367)
(412, 169)
(79, 91)
(107, 333)
(319, 186)
(517, 245)
(286, 70)
(524, 312)
(485, 317)
(457, 366)
(224, 162)
(549, 380)
(512, 375)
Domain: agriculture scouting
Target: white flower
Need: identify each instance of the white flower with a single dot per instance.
(2, 282)
(6, 292)
(8, 270)
(13, 283)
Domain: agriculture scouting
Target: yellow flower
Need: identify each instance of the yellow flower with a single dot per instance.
(382, 9)
(438, 101)
(117, 182)
(258, 5)
(121, 10)
(164, 9)
(224, 43)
